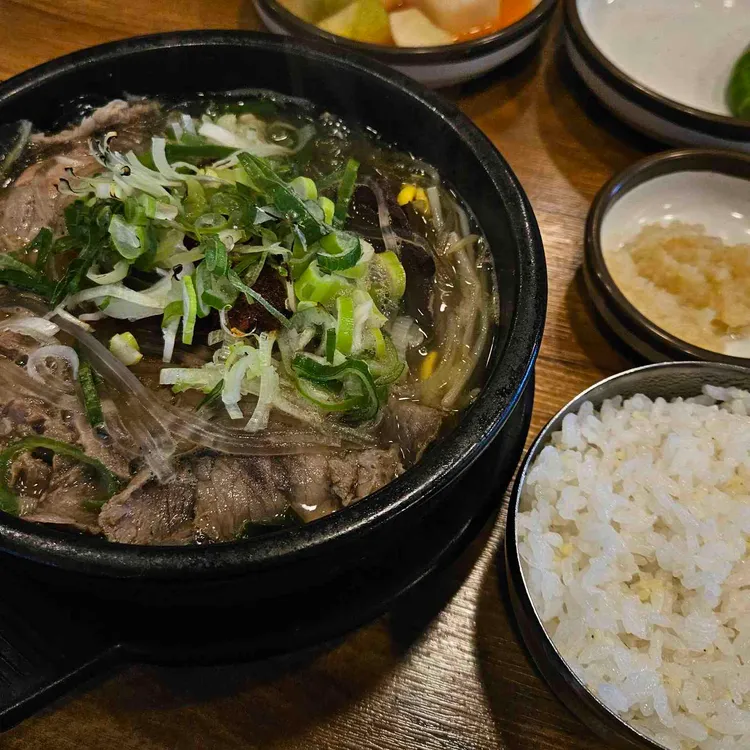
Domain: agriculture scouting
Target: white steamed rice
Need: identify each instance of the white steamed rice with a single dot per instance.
(633, 536)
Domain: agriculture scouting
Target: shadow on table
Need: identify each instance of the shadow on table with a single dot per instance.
(257, 705)
(526, 714)
(599, 344)
(503, 93)
(580, 135)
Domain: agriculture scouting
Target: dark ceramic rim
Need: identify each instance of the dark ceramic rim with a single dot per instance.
(448, 53)
(602, 286)
(720, 126)
(576, 695)
(448, 460)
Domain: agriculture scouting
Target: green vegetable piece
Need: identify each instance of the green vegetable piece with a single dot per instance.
(196, 154)
(386, 368)
(91, 402)
(344, 324)
(738, 91)
(360, 406)
(268, 183)
(27, 282)
(171, 311)
(211, 398)
(202, 279)
(9, 502)
(136, 213)
(329, 208)
(24, 276)
(305, 188)
(217, 259)
(195, 203)
(250, 267)
(8, 262)
(42, 244)
(339, 251)
(380, 345)
(345, 193)
(88, 227)
(314, 286)
(330, 344)
(189, 309)
(125, 347)
(128, 239)
(394, 273)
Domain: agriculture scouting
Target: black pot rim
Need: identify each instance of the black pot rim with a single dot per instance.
(603, 286)
(438, 469)
(448, 53)
(721, 126)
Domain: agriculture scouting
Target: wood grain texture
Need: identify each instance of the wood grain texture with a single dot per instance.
(445, 669)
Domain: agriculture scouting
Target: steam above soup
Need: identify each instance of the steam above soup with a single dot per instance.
(220, 319)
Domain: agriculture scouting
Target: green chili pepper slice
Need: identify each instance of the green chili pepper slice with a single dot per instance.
(91, 402)
(9, 501)
(359, 407)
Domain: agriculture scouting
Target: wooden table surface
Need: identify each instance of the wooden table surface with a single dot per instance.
(445, 669)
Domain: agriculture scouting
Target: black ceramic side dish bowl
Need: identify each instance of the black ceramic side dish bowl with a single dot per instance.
(709, 187)
(182, 65)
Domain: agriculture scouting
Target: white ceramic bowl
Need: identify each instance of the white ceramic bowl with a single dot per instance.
(693, 186)
(432, 66)
(663, 65)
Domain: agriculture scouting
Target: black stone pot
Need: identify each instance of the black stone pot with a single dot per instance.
(265, 569)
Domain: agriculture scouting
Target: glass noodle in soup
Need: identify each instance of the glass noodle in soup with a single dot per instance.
(226, 317)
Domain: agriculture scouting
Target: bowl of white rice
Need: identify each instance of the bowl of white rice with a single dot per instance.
(628, 558)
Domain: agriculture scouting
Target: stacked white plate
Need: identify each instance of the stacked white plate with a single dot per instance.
(663, 66)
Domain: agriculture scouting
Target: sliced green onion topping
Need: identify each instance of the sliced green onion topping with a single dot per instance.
(380, 349)
(127, 239)
(359, 406)
(268, 183)
(211, 398)
(344, 324)
(340, 250)
(394, 273)
(197, 153)
(329, 208)
(345, 193)
(125, 347)
(314, 286)
(91, 402)
(386, 368)
(171, 312)
(217, 260)
(189, 309)
(305, 188)
(330, 345)
(42, 243)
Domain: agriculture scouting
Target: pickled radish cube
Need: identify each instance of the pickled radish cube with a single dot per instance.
(412, 28)
(460, 16)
